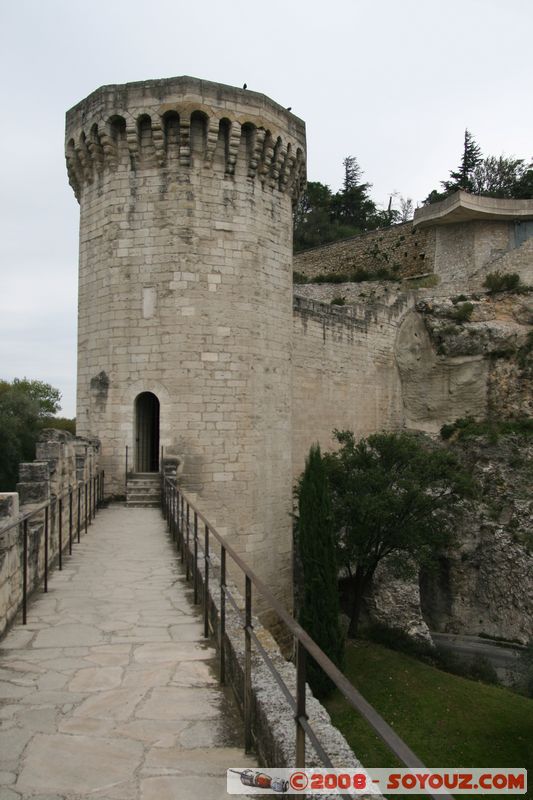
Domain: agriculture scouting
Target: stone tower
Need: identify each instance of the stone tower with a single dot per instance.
(185, 306)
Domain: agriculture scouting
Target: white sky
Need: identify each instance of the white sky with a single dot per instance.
(394, 83)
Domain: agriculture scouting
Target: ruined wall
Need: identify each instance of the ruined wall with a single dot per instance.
(344, 370)
(62, 461)
(400, 249)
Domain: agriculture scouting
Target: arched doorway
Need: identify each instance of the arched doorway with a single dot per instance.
(146, 432)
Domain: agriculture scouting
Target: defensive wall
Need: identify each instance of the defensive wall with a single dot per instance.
(62, 461)
(459, 240)
(401, 249)
(190, 338)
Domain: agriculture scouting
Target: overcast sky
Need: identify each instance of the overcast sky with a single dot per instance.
(393, 82)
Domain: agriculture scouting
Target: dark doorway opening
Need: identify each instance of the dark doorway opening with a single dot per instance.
(146, 432)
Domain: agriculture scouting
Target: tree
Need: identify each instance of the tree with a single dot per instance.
(498, 177)
(393, 493)
(26, 406)
(462, 178)
(319, 612)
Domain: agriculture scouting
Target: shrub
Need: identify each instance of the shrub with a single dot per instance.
(502, 281)
(482, 670)
(299, 277)
(338, 301)
(468, 426)
(462, 312)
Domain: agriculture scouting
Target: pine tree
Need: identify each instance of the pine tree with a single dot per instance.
(319, 613)
(463, 177)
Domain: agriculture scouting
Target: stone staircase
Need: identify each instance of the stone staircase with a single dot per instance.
(143, 490)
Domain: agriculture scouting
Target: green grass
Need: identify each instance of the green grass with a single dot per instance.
(448, 721)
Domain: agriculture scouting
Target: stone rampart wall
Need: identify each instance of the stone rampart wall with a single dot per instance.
(62, 461)
(400, 249)
(344, 370)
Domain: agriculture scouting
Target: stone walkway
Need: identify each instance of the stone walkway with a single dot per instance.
(110, 691)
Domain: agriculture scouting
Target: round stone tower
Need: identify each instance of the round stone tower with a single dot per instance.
(186, 190)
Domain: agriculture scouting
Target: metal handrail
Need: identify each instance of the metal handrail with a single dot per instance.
(93, 489)
(176, 508)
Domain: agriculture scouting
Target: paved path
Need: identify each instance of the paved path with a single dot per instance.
(109, 691)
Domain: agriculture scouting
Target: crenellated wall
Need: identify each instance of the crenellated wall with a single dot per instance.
(62, 461)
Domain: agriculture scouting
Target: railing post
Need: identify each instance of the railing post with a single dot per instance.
(187, 550)
(90, 487)
(70, 520)
(79, 513)
(102, 488)
(222, 614)
(126, 474)
(300, 704)
(195, 559)
(85, 506)
(25, 572)
(60, 530)
(206, 581)
(182, 540)
(248, 666)
(46, 535)
(175, 506)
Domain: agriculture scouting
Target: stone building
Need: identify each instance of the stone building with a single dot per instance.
(191, 342)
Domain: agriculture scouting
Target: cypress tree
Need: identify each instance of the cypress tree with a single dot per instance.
(319, 612)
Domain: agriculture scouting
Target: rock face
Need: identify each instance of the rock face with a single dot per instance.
(466, 357)
(395, 602)
(485, 584)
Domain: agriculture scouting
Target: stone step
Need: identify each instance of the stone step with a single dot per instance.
(143, 503)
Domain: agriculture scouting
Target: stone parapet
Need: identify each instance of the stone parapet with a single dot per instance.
(63, 461)
(181, 122)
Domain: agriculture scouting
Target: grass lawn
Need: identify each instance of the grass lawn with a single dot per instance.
(448, 721)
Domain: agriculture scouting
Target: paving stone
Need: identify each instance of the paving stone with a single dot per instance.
(86, 764)
(84, 708)
(115, 704)
(94, 679)
(68, 635)
(189, 703)
(172, 787)
(172, 652)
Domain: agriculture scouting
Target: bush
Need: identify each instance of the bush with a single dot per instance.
(462, 312)
(338, 301)
(466, 427)
(299, 277)
(396, 639)
(481, 669)
(502, 281)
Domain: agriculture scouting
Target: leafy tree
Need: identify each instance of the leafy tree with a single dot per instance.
(393, 493)
(319, 612)
(502, 176)
(26, 406)
(498, 177)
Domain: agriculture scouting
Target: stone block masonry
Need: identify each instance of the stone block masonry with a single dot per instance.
(185, 190)
(401, 250)
(62, 461)
(345, 374)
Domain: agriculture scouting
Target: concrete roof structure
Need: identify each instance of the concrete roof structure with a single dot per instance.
(463, 207)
